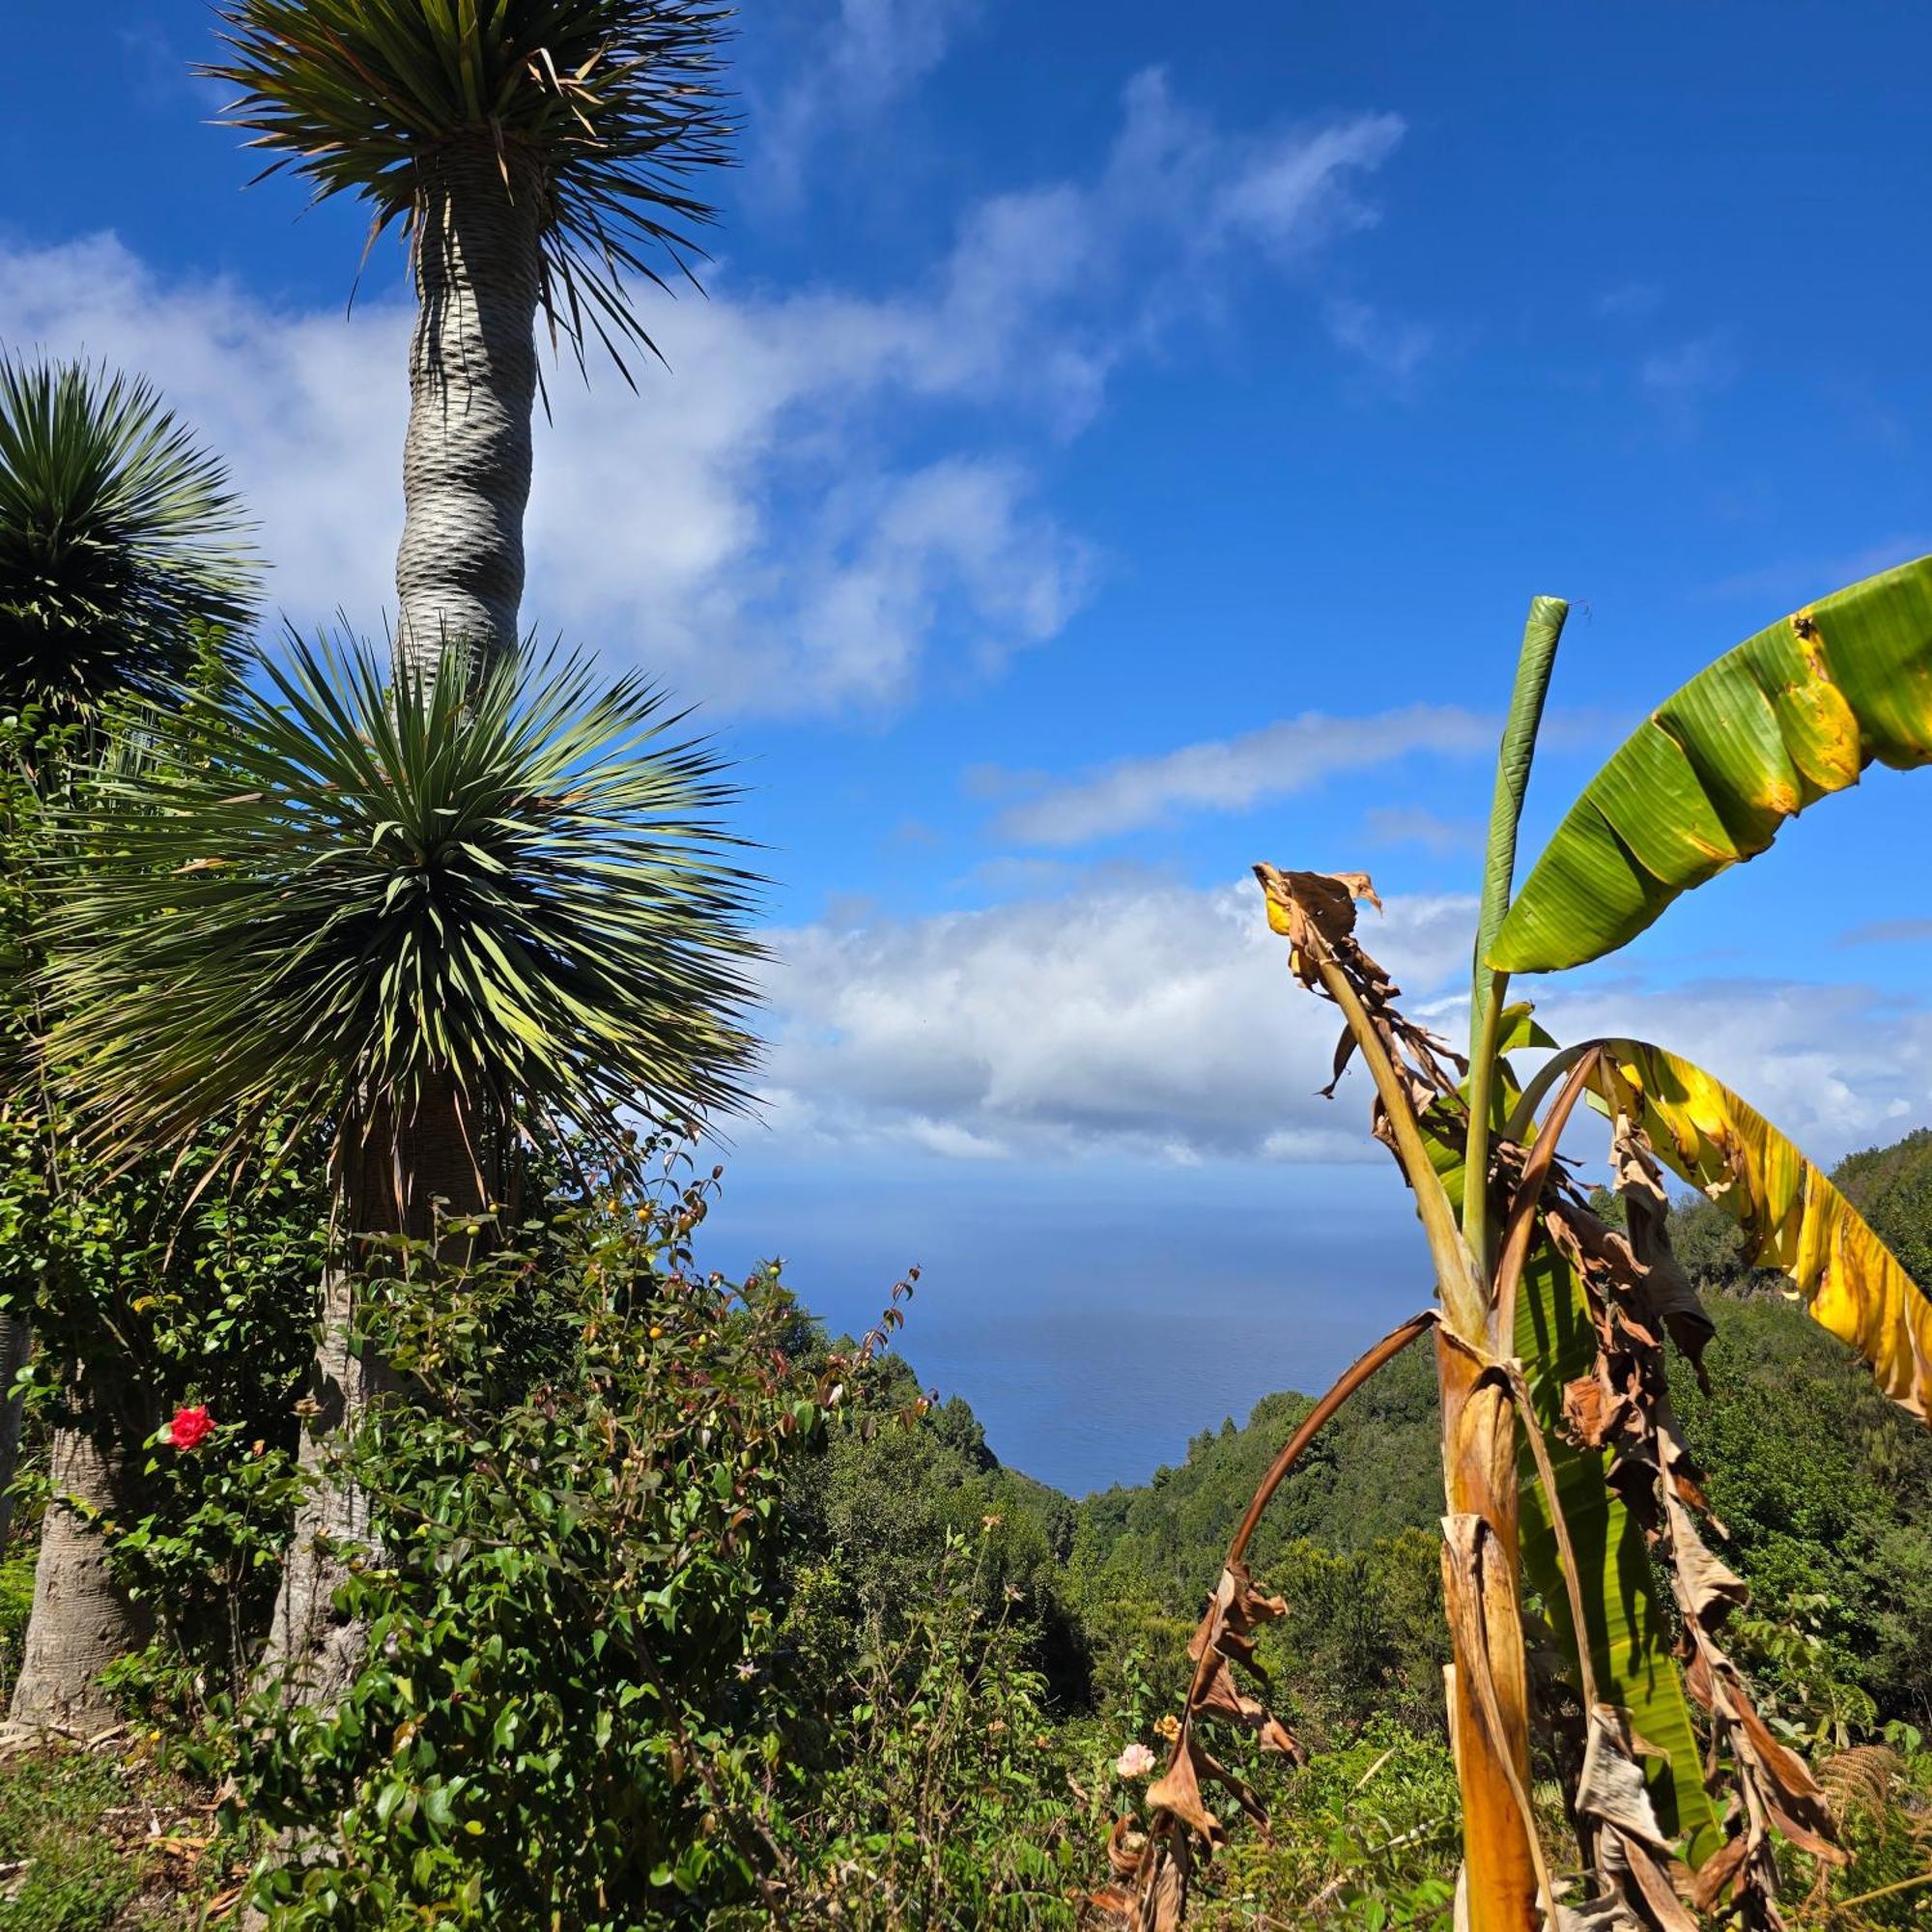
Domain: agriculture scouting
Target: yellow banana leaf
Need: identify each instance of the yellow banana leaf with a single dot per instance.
(1796, 712)
(1848, 1279)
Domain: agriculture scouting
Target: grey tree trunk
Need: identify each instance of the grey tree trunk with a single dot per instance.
(17, 1337)
(81, 1621)
(472, 388)
(312, 1650)
(390, 1183)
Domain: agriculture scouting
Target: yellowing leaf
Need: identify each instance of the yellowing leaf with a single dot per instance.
(1707, 779)
(1848, 1279)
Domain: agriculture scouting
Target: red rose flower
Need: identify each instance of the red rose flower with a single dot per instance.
(190, 1428)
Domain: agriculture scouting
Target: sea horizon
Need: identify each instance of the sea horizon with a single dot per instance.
(1091, 1369)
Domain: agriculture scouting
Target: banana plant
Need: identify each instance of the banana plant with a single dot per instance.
(1564, 1469)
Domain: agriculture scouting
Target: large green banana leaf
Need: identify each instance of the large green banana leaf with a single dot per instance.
(1629, 1629)
(1706, 780)
(1848, 1279)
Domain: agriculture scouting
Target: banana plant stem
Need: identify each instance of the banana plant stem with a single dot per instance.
(1521, 1227)
(1537, 658)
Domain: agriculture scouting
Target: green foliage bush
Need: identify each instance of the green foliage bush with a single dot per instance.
(944, 1794)
(1369, 1835)
(1827, 1490)
(878, 1511)
(567, 1711)
(144, 1299)
(661, 1634)
(151, 1287)
(1348, 1541)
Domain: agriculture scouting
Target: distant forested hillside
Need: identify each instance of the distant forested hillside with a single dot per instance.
(1827, 1490)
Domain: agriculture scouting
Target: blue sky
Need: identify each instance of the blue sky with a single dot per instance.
(1113, 452)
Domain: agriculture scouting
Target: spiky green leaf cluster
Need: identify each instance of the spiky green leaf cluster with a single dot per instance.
(331, 895)
(122, 547)
(613, 105)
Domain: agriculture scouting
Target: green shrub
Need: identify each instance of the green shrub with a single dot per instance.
(1369, 1834)
(949, 1799)
(566, 1714)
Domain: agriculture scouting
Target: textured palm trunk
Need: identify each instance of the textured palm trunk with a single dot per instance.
(16, 1339)
(312, 1650)
(472, 393)
(1489, 1690)
(81, 1620)
(473, 389)
(390, 1183)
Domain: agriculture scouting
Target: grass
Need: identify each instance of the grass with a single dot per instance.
(90, 1841)
(17, 1599)
(63, 1871)
(94, 1842)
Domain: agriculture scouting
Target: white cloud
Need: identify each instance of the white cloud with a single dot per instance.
(1231, 774)
(660, 526)
(1394, 348)
(1132, 1015)
(864, 55)
(830, 493)
(1137, 1016)
(307, 411)
(1835, 1068)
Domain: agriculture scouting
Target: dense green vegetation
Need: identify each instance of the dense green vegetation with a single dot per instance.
(894, 1689)
(929, 1661)
(1825, 1486)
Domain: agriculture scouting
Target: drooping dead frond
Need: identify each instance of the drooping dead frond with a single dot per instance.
(1152, 1868)
(1861, 1778)
(1316, 913)
(1624, 1406)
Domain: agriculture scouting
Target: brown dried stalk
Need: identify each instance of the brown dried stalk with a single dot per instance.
(1153, 1895)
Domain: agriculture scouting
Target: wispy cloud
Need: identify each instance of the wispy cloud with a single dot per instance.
(1687, 369)
(1234, 773)
(1795, 581)
(1630, 302)
(862, 56)
(1887, 932)
(1680, 380)
(1417, 825)
(831, 496)
(1392, 346)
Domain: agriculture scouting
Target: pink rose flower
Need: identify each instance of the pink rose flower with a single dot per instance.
(1136, 1761)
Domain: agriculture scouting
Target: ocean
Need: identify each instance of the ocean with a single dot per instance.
(1095, 1316)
